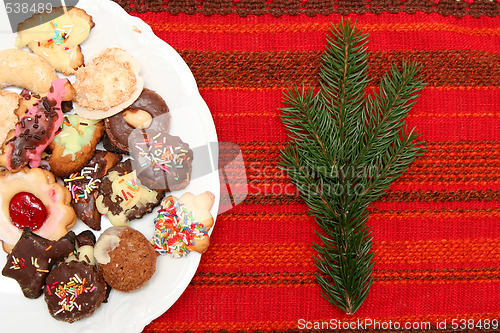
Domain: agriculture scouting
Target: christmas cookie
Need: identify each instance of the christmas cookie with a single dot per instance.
(9, 103)
(182, 224)
(83, 186)
(84, 248)
(57, 40)
(122, 197)
(75, 144)
(74, 290)
(148, 111)
(25, 70)
(125, 257)
(162, 161)
(31, 260)
(31, 198)
(107, 84)
(29, 99)
(36, 129)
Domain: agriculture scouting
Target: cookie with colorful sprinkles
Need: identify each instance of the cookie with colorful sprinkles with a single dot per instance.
(74, 290)
(56, 37)
(182, 225)
(83, 186)
(162, 161)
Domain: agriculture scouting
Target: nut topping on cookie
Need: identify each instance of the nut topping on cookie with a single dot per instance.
(125, 257)
(137, 118)
(120, 126)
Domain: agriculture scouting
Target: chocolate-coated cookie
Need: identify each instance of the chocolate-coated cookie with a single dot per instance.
(148, 111)
(32, 258)
(84, 184)
(74, 290)
(162, 161)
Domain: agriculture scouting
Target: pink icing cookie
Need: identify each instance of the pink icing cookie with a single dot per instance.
(37, 127)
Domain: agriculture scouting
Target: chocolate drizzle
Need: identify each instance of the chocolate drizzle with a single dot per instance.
(36, 131)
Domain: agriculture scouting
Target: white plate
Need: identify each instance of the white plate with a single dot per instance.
(165, 72)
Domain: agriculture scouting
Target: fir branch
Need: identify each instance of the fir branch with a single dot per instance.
(345, 150)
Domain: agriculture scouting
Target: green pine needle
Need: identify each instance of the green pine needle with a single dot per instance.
(346, 148)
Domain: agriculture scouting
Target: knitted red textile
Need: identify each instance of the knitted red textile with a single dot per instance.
(436, 232)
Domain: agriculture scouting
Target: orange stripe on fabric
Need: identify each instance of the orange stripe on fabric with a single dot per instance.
(251, 326)
(215, 28)
(271, 255)
(376, 214)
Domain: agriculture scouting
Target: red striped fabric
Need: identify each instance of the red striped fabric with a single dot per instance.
(436, 233)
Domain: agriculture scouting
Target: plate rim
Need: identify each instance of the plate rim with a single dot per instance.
(137, 324)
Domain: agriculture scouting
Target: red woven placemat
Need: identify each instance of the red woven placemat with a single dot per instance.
(436, 232)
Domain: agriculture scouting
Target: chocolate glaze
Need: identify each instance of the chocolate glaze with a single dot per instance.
(94, 290)
(33, 257)
(35, 131)
(97, 168)
(86, 237)
(113, 204)
(118, 130)
(66, 106)
(170, 169)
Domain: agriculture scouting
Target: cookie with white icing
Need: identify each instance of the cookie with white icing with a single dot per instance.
(56, 37)
(122, 197)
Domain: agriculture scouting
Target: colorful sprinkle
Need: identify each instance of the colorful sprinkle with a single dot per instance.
(68, 293)
(176, 229)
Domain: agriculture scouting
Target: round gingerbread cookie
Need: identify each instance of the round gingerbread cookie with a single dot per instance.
(126, 258)
(74, 290)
